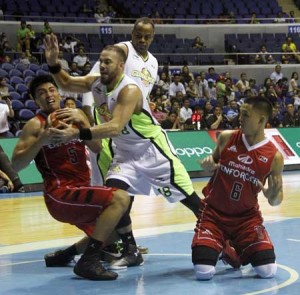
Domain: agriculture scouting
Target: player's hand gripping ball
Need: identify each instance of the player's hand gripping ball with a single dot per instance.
(53, 122)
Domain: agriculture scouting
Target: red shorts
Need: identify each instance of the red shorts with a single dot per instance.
(247, 233)
(80, 206)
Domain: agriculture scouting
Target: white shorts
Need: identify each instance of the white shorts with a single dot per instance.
(159, 169)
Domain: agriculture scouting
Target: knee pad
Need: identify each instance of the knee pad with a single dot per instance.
(204, 272)
(204, 255)
(266, 271)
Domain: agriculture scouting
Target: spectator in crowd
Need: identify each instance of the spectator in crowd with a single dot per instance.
(3, 88)
(6, 112)
(291, 18)
(281, 88)
(186, 112)
(224, 97)
(64, 63)
(6, 167)
(157, 18)
(211, 90)
(176, 86)
(81, 59)
(156, 111)
(198, 44)
(69, 44)
(280, 18)
(217, 120)
(232, 114)
(32, 37)
(101, 16)
(171, 121)
(70, 102)
(3, 39)
(201, 85)
(271, 94)
(74, 71)
(274, 121)
(23, 37)
(264, 57)
(296, 100)
(207, 110)
(277, 74)
(242, 84)
(290, 117)
(164, 82)
(253, 87)
(23, 59)
(186, 75)
(46, 29)
(192, 93)
(159, 106)
(211, 74)
(253, 19)
(289, 50)
(231, 18)
(86, 68)
(293, 86)
(175, 106)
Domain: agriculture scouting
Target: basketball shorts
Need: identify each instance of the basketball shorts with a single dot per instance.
(157, 167)
(79, 206)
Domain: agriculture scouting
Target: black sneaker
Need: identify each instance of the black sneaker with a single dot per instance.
(130, 257)
(89, 266)
(58, 259)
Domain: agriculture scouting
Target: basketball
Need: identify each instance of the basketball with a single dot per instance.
(52, 121)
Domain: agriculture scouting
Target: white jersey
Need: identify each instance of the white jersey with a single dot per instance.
(141, 128)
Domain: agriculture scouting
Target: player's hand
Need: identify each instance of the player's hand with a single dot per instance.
(51, 49)
(208, 164)
(63, 133)
(72, 116)
(274, 187)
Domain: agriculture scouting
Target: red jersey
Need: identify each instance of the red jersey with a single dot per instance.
(62, 164)
(233, 188)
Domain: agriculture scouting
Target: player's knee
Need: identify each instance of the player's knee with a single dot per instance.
(204, 272)
(204, 255)
(121, 198)
(266, 271)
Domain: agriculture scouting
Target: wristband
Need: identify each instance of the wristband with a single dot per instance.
(54, 69)
(85, 134)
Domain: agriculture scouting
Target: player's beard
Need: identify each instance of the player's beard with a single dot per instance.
(106, 78)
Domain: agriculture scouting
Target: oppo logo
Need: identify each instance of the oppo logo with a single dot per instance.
(245, 159)
(189, 152)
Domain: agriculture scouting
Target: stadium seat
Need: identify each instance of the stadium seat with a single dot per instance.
(26, 114)
(15, 72)
(21, 88)
(17, 104)
(15, 80)
(31, 105)
(15, 95)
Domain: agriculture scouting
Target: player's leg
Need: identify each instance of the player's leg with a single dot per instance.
(130, 252)
(264, 263)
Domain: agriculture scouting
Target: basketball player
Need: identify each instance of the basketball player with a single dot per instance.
(67, 192)
(143, 156)
(243, 160)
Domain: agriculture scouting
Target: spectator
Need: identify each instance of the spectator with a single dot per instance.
(276, 75)
(207, 110)
(290, 117)
(271, 94)
(274, 121)
(231, 18)
(102, 16)
(289, 49)
(176, 86)
(6, 112)
(211, 74)
(263, 57)
(175, 106)
(69, 44)
(201, 84)
(74, 71)
(3, 88)
(293, 86)
(282, 87)
(64, 63)
(198, 44)
(23, 36)
(211, 90)
(226, 94)
(296, 99)
(280, 18)
(192, 93)
(81, 59)
(156, 113)
(157, 18)
(164, 82)
(32, 37)
(253, 87)
(253, 19)
(186, 75)
(171, 121)
(86, 68)
(242, 84)
(186, 112)
(291, 18)
(70, 102)
(46, 29)
(23, 59)
(217, 120)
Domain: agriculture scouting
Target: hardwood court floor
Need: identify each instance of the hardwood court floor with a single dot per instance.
(27, 232)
